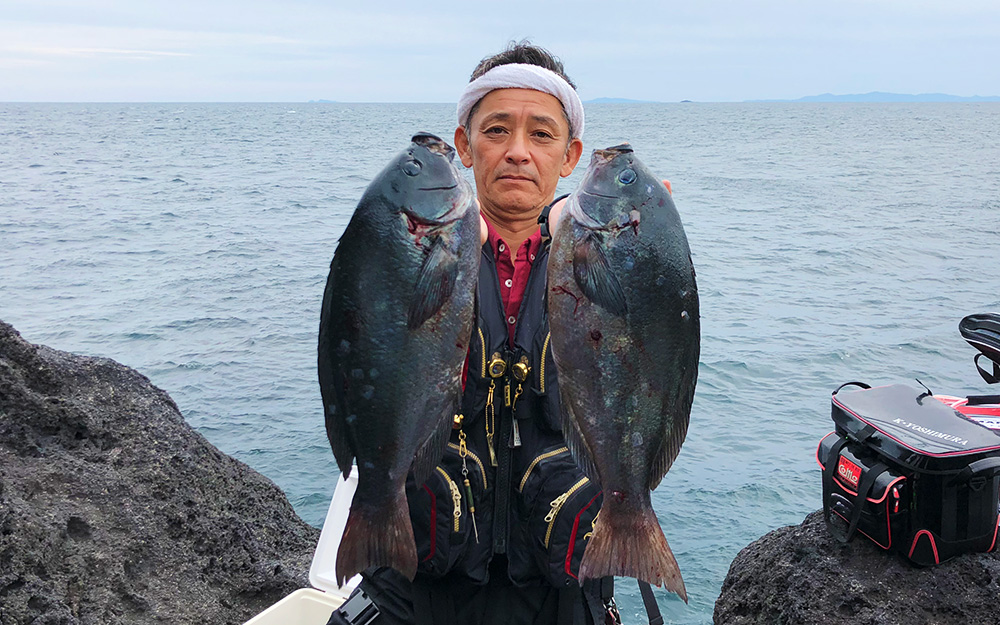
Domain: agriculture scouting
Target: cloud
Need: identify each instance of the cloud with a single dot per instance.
(88, 52)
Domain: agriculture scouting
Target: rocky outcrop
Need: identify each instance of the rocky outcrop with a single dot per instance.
(800, 575)
(113, 510)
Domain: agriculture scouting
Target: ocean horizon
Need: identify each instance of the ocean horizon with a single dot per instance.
(832, 243)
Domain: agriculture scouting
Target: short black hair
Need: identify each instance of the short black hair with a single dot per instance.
(520, 52)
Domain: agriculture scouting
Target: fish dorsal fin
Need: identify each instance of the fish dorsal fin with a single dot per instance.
(595, 277)
(435, 283)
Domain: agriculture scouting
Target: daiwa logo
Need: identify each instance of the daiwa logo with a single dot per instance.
(849, 472)
(931, 433)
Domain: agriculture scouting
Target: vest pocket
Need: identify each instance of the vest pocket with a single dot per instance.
(555, 512)
(442, 517)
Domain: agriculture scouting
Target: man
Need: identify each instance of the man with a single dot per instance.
(502, 524)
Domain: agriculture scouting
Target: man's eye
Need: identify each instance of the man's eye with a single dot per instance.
(543, 134)
(494, 130)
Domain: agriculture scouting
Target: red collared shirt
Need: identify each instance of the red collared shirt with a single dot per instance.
(513, 275)
(513, 272)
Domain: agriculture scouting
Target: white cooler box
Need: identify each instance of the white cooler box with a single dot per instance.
(313, 606)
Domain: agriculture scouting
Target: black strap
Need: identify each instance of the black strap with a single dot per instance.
(864, 488)
(986, 375)
(652, 609)
(829, 467)
(982, 400)
(543, 218)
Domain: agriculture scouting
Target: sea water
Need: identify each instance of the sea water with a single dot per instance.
(832, 242)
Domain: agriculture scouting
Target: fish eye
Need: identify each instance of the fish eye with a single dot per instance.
(412, 167)
(627, 176)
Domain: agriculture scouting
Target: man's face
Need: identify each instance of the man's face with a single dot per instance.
(518, 146)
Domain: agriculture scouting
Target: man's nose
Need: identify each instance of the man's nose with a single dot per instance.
(517, 148)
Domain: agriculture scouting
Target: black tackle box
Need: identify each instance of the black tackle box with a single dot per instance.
(910, 473)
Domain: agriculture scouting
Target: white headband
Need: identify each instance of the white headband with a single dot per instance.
(523, 76)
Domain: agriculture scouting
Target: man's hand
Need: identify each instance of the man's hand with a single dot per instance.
(557, 210)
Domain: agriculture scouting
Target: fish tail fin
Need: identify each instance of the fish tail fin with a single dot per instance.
(630, 543)
(378, 536)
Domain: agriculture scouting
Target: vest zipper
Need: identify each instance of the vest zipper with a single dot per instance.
(557, 505)
(456, 496)
(541, 366)
(482, 469)
(482, 342)
(531, 467)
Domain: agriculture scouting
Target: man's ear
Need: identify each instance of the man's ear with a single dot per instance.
(573, 153)
(463, 147)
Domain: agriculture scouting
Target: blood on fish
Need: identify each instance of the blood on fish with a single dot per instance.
(562, 289)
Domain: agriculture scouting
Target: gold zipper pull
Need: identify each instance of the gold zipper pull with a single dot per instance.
(456, 499)
(517, 394)
(506, 394)
(556, 504)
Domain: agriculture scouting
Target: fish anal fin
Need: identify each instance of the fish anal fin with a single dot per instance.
(337, 434)
(431, 450)
(435, 283)
(575, 441)
(595, 277)
(676, 431)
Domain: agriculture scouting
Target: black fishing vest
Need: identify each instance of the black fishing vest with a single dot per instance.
(526, 498)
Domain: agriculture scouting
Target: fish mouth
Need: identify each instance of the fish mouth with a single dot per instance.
(591, 193)
(436, 188)
(425, 221)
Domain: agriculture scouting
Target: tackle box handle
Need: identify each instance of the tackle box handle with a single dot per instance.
(979, 466)
(861, 384)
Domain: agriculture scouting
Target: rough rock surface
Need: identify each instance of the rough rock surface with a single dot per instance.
(802, 575)
(113, 510)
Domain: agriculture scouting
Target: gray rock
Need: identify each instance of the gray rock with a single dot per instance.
(800, 575)
(113, 510)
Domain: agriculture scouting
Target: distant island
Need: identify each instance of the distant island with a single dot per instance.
(618, 101)
(881, 96)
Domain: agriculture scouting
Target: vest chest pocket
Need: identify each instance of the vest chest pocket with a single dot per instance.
(446, 518)
(555, 514)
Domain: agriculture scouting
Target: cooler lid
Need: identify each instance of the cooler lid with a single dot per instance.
(916, 420)
(323, 573)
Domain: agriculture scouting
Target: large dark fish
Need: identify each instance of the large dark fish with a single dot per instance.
(393, 336)
(623, 313)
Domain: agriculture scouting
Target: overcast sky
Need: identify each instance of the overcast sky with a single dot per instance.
(393, 51)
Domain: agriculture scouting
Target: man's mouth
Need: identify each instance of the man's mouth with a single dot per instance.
(515, 177)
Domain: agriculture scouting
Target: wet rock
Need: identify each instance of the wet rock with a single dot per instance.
(113, 510)
(800, 575)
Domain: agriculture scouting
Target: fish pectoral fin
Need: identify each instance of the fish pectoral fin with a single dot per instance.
(595, 277)
(434, 284)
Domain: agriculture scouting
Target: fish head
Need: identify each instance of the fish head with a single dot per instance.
(425, 184)
(615, 189)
